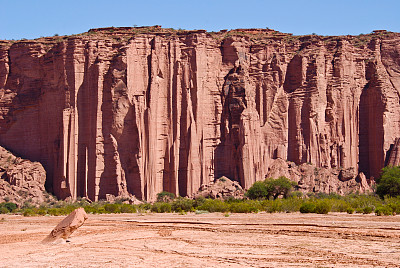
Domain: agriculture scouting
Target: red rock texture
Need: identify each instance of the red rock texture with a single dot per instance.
(141, 110)
(222, 188)
(320, 179)
(21, 180)
(394, 155)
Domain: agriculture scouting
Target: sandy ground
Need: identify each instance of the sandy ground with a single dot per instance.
(205, 240)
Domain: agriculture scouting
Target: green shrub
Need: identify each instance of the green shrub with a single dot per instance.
(214, 205)
(161, 207)
(389, 182)
(144, 207)
(359, 202)
(41, 211)
(322, 207)
(112, 208)
(257, 191)
(52, 211)
(290, 204)
(338, 205)
(274, 206)
(307, 207)
(393, 203)
(279, 187)
(367, 210)
(165, 196)
(199, 201)
(4, 210)
(95, 208)
(244, 207)
(183, 204)
(383, 210)
(266, 204)
(297, 194)
(126, 208)
(10, 206)
(27, 204)
(271, 188)
(223, 179)
(350, 210)
(28, 212)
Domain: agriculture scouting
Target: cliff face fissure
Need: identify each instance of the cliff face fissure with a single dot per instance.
(171, 112)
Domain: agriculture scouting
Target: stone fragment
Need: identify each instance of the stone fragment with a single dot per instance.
(67, 226)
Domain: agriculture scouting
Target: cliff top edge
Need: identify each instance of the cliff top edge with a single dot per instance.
(125, 33)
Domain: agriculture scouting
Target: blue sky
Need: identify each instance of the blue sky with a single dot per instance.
(35, 18)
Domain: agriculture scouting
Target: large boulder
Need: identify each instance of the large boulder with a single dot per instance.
(67, 226)
(221, 188)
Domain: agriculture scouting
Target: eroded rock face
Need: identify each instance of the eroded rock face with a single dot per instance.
(128, 112)
(394, 154)
(21, 180)
(316, 179)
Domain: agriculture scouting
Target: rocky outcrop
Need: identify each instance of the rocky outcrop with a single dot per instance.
(222, 188)
(319, 179)
(394, 154)
(135, 111)
(21, 180)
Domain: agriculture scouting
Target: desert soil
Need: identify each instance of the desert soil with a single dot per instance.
(205, 240)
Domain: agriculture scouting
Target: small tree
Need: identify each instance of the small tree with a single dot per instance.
(389, 183)
(271, 188)
(10, 206)
(281, 186)
(257, 191)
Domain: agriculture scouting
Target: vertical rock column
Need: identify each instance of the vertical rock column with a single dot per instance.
(74, 73)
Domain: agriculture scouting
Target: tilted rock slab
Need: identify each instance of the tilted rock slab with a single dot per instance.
(137, 111)
(67, 226)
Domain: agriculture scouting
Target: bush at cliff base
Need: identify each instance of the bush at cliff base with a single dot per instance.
(383, 211)
(183, 204)
(7, 207)
(389, 183)
(271, 188)
(322, 207)
(165, 196)
(161, 207)
(281, 186)
(307, 207)
(257, 191)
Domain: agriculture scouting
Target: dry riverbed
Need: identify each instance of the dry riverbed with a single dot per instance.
(206, 240)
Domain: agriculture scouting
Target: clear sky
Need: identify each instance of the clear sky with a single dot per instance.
(35, 18)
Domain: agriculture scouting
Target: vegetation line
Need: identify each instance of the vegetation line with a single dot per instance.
(271, 195)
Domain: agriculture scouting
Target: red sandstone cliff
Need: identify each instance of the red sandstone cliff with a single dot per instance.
(141, 110)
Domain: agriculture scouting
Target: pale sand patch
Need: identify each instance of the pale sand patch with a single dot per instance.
(206, 240)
